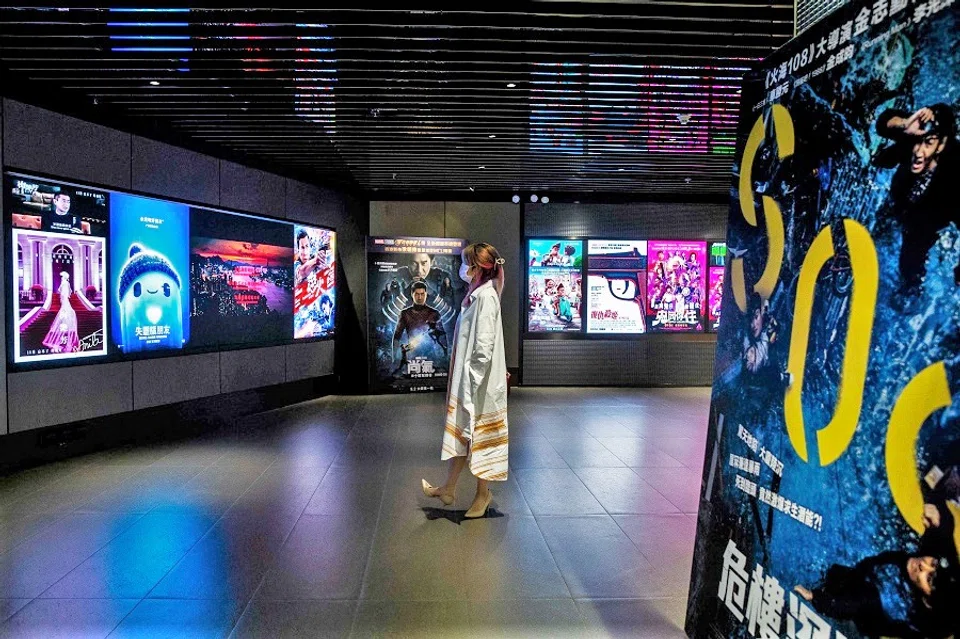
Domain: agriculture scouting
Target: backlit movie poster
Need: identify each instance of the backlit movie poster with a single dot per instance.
(314, 278)
(617, 286)
(718, 256)
(58, 251)
(414, 293)
(554, 296)
(676, 273)
(241, 279)
(149, 262)
(831, 486)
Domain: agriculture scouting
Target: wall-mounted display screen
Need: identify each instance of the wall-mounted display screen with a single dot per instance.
(414, 294)
(554, 271)
(314, 279)
(675, 285)
(241, 279)
(718, 260)
(616, 286)
(149, 262)
(96, 272)
(58, 254)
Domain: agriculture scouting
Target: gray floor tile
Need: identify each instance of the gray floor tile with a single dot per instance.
(633, 618)
(534, 452)
(596, 558)
(349, 493)
(622, 491)
(537, 618)
(660, 536)
(556, 491)
(637, 452)
(35, 565)
(70, 618)
(231, 559)
(586, 452)
(134, 562)
(507, 558)
(296, 619)
(179, 618)
(416, 559)
(403, 619)
(9, 607)
(324, 558)
(681, 486)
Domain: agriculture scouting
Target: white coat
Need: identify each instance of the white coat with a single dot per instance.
(477, 395)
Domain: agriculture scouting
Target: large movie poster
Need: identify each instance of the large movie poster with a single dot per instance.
(831, 487)
(149, 262)
(58, 251)
(616, 286)
(554, 297)
(675, 285)
(414, 293)
(718, 260)
(314, 281)
(241, 279)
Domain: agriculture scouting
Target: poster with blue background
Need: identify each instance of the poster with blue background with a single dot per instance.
(149, 262)
(831, 486)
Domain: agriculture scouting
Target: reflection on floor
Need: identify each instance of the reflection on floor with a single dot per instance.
(309, 521)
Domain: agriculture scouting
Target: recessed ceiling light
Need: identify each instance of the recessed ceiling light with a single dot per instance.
(534, 198)
(545, 199)
(621, 169)
(154, 83)
(481, 167)
(471, 189)
(491, 136)
(511, 85)
(515, 199)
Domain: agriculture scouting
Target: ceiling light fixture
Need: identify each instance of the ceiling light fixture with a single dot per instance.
(491, 136)
(534, 198)
(471, 189)
(511, 85)
(482, 166)
(545, 200)
(154, 83)
(515, 199)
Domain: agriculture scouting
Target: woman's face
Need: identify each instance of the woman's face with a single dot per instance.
(471, 271)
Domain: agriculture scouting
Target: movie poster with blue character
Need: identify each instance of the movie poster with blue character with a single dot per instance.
(831, 486)
(414, 293)
(149, 261)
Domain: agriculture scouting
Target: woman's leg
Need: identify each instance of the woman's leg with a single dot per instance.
(454, 468)
(481, 499)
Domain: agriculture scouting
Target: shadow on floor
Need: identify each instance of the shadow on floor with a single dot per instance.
(457, 516)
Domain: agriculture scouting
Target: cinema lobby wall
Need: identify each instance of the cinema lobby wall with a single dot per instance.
(41, 141)
(644, 360)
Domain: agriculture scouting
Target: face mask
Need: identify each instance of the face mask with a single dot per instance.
(463, 273)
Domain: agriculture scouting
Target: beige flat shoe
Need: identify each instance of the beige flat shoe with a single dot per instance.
(479, 510)
(428, 490)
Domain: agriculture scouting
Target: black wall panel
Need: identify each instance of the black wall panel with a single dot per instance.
(641, 221)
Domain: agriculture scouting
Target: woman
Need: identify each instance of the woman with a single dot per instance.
(476, 428)
(62, 336)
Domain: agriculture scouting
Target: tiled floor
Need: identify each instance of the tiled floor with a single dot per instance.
(309, 521)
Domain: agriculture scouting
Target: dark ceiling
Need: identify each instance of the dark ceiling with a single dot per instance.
(608, 97)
